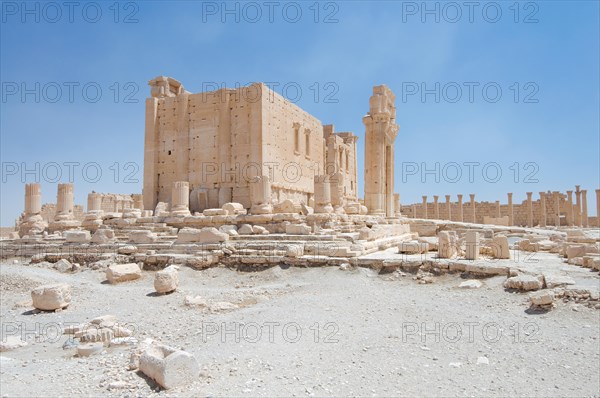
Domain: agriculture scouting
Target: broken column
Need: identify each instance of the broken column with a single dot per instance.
(447, 244)
(473, 215)
(460, 208)
(449, 207)
(510, 209)
(556, 196)
(584, 210)
(424, 206)
(260, 195)
(64, 203)
(397, 212)
(138, 201)
(529, 210)
(322, 194)
(598, 207)
(32, 221)
(472, 245)
(570, 219)
(381, 132)
(577, 206)
(436, 207)
(180, 199)
(543, 209)
(93, 217)
(498, 209)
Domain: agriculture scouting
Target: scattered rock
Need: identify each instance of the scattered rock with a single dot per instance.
(168, 366)
(542, 298)
(524, 282)
(51, 297)
(9, 343)
(85, 350)
(167, 280)
(470, 284)
(117, 273)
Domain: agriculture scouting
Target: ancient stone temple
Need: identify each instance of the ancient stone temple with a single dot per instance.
(221, 141)
(381, 132)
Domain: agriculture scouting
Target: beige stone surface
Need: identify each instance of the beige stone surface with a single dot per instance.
(167, 280)
(118, 273)
(51, 297)
(168, 366)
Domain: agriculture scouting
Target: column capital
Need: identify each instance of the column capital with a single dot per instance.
(459, 197)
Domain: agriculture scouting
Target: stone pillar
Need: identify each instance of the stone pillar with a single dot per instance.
(94, 202)
(449, 207)
(598, 207)
(577, 206)
(260, 195)
(556, 196)
(584, 210)
(381, 132)
(460, 208)
(138, 201)
(32, 222)
(511, 219)
(542, 210)
(180, 199)
(425, 206)
(397, 205)
(64, 203)
(529, 210)
(472, 245)
(570, 219)
(322, 194)
(473, 214)
(436, 207)
(33, 199)
(498, 209)
(414, 211)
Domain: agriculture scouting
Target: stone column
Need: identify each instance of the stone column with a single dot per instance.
(598, 207)
(436, 207)
(543, 209)
(94, 202)
(460, 209)
(322, 194)
(260, 195)
(425, 206)
(511, 219)
(584, 210)
(449, 207)
(472, 245)
(180, 199)
(381, 132)
(474, 216)
(498, 209)
(64, 202)
(557, 205)
(570, 218)
(397, 205)
(32, 221)
(577, 206)
(138, 201)
(414, 211)
(33, 199)
(529, 210)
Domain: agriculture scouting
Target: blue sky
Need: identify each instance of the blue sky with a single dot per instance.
(546, 52)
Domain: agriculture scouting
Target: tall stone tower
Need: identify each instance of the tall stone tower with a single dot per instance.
(381, 132)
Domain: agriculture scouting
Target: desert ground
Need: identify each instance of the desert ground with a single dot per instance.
(325, 331)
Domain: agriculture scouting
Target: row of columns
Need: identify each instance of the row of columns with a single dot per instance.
(576, 215)
(65, 201)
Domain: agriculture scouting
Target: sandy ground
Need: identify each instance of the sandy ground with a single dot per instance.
(306, 332)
